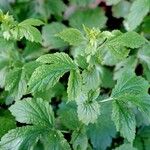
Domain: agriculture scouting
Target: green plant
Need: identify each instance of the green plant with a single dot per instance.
(92, 93)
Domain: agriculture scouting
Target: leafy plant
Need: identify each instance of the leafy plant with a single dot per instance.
(76, 85)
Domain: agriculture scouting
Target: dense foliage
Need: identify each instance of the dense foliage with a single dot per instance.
(74, 75)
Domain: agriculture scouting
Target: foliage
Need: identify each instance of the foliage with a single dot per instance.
(71, 79)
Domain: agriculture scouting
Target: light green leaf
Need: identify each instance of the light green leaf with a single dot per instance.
(74, 85)
(129, 89)
(88, 108)
(121, 9)
(112, 2)
(128, 39)
(16, 83)
(88, 18)
(50, 39)
(61, 59)
(138, 11)
(21, 138)
(72, 36)
(124, 119)
(33, 111)
(46, 76)
(54, 140)
(31, 22)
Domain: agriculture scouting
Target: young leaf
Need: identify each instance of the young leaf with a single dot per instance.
(74, 85)
(138, 11)
(72, 36)
(33, 111)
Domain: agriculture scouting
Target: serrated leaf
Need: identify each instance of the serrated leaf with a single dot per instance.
(88, 108)
(74, 85)
(72, 36)
(88, 18)
(124, 120)
(33, 111)
(61, 59)
(129, 39)
(50, 39)
(130, 89)
(31, 22)
(79, 140)
(138, 11)
(56, 141)
(22, 138)
(102, 132)
(91, 79)
(16, 83)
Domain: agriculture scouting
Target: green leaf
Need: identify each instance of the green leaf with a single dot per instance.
(30, 33)
(31, 22)
(7, 122)
(121, 9)
(50, 39)
(138, 11)
(128, 39)
(61, 59)
(91, 79)
(33, 111)
(143, 139)
(74, 85)
(102, 132)
(55, 140)
(112, 2)
(88, 108)
(21, 138)
(72, 36)
(69, 111)
(124, 119)
(46, 76)
(88, 18)
(144, 56)
(129, 89)
(126, 147)
(79, 140)
(16, 83)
